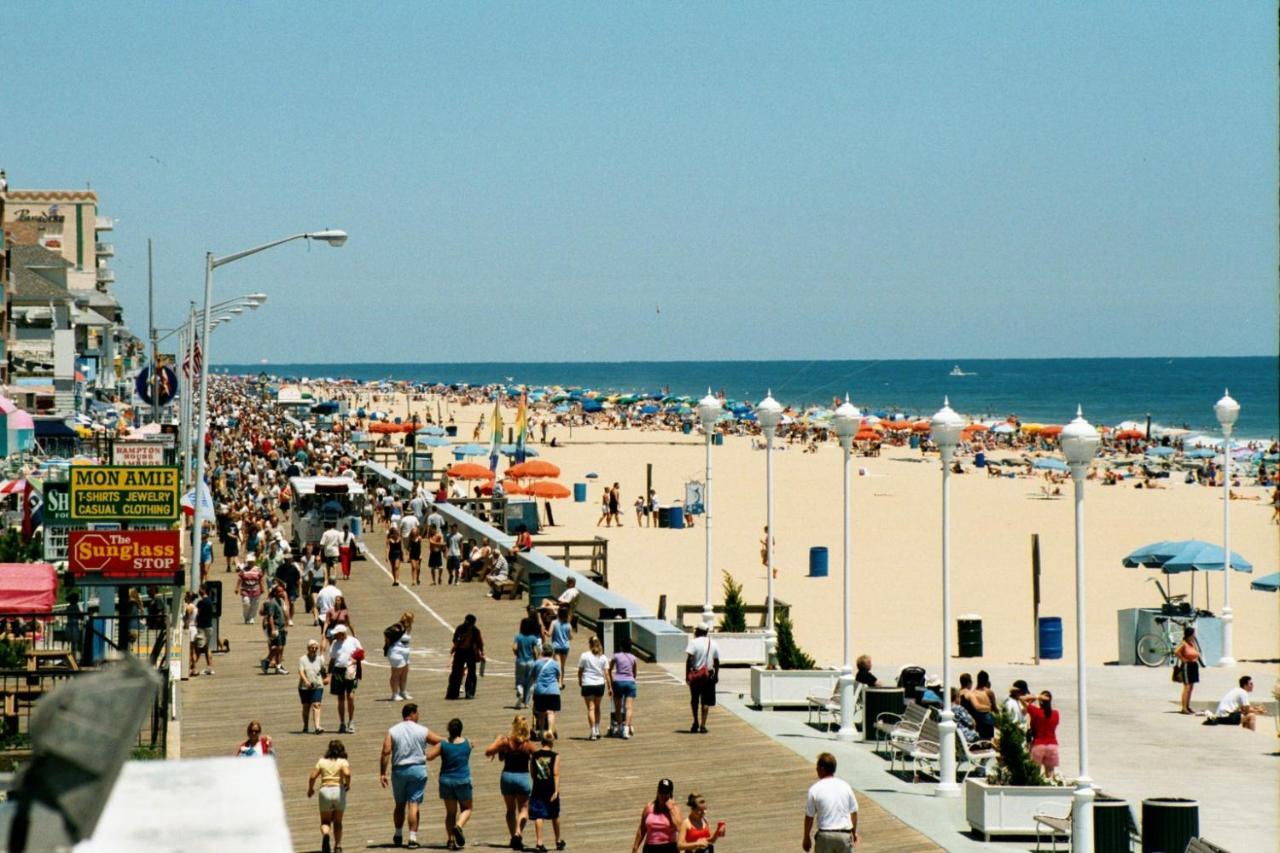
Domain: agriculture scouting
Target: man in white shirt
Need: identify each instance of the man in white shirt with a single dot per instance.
(330, 546)
(325, 600)
(1235, 708)
(701, 671)
(832, 806)
(408, 524)
(435, 519)
(343, 679)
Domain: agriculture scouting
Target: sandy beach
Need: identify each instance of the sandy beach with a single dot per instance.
(896, 541)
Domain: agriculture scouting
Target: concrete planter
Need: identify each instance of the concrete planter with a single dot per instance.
(1008, 810)
(741, 648)
(790, 688)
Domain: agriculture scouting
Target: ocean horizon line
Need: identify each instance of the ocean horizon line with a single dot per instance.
(1089, 358)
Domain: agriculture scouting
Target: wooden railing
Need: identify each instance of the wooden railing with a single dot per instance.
(780, 608)
(594, 552)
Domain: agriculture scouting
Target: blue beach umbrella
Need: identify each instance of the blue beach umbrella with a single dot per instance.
(471, 449)
(431, 430)
(510, 450)
(1184, 555)
(433, 441)
(649, 410)
(1266, 583)
(1200, 453)
(1160, 451)
(1050, 463)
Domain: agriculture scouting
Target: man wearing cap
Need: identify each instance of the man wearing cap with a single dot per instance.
(832, 807)
(344, 669)
(404, 751)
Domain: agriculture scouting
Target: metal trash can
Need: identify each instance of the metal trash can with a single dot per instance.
(451, 430)
(686, 427)
(579, 493)
(1110, 824)
(664, 516)
(818, 561)
(614, 629)
(677, 518)
(1168, 823)
(882, 700)
(969, 629)
(717, 438)
(539, 587)
(1050, 637)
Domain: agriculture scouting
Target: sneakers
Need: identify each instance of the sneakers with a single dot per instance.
(281, 670)
(693, 730)
(206, 671)
(397, 841)
(702, 730)
(626, 732)
(405, 696)
(396, 697)
(263, 665)
(342, 730)
(459, 837)
(351, 728)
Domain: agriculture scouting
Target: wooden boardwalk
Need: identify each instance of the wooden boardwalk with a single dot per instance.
(753, 784)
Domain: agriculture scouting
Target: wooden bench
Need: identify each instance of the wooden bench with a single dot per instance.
(511, 586)
(51, 659)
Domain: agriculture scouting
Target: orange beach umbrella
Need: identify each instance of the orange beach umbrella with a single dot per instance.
(470, 471)
(533, 468)
(548, 489)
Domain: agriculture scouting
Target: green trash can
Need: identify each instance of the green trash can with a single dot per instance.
(881, 700)
(969, 628)
(1168, 823)
(1110, 824)
(539, 587)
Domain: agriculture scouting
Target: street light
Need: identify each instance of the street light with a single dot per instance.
(769, 415)
(1079, 442)
(1227, 411)
(333, 238)
(945, 430)
(847, 419)
(708, 413)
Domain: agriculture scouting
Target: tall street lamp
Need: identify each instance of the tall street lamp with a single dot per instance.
(333, 238)
(1227, 411)
(945, 430)
(847, 419)
(769, 415)
(1079, 442)
(708, 412)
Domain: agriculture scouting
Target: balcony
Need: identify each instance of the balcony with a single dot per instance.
(104, 223)
(105, 250)
(106, 275)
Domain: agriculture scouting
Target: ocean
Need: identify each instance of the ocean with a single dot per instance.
(1172, 391)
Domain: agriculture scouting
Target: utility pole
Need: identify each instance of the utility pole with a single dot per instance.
(155, 345)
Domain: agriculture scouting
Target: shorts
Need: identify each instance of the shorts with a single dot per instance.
(544, 809)
(827, 841)
(453, 564)
(398, 657)
(703, 690)
(202, 638)
(329, 560)
(1046, 755)
(1232, 719)
(590, 690)
(624, 689)
(279, 640)
(543, 702)
(513, 784)
(409, 783)
(311, 695)
(191, 634)
(340, 685)
(332, 798)
(460, 791)
(435, 559)
(661, 848)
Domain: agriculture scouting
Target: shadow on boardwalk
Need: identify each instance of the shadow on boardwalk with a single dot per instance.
(753, 784)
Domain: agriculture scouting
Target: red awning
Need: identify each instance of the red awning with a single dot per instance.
(27, 589)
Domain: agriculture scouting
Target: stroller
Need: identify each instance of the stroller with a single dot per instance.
(911, 679)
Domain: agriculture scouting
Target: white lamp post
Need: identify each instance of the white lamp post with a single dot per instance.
(847, 419)
(333, 238)
(1227, 411)
(945, 430)
(708, 412)
(1079, 442)
(769, 415)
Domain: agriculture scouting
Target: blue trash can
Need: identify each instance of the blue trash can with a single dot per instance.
(818, 561)
(355, 525)
(579, 493)
(686, 427)
(914, 442)
(1050, 637)
(677, 518)
(717, 438)
(980, 459)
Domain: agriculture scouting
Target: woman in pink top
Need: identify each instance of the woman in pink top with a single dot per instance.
(659, 822)
(1044, 730)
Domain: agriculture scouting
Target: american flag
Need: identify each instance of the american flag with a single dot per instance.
(191, 364)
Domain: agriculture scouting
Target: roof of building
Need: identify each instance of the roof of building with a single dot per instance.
(51, 195)
(34, 256)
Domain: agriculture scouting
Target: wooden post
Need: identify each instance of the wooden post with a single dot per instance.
(648, 488)
(1035, 597)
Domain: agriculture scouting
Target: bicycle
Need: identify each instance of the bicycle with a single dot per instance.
(1156, 649)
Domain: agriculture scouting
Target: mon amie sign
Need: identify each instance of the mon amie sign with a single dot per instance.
(130, 493)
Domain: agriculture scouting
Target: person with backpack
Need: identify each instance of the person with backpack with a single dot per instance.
(395, 646)
(467, 649)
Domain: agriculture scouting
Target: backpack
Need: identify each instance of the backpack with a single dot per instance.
(391, 635)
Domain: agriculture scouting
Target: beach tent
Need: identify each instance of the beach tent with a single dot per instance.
(27, 589)
(1266, 583)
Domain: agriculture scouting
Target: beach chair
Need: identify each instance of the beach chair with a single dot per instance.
(827, 708)
(900, 727)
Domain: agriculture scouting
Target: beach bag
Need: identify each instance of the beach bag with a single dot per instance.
(391, 635)
(702, 673)
(1179, 672)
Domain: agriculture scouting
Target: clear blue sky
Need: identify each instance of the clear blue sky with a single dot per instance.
(532, 181)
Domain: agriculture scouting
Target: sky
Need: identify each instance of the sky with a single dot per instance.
(608, 181)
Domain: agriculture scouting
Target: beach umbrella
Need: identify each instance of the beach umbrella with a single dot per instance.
(510, 487)
(536, 468)
(975, 427)
(1049, 463)
(510, 450)
(1266, 583)
(1184, 555)
(1003, 429)
(897, 426)
(470, 471)
(434, 441)
(471, 449)
(1161, 452)
(431, 430)
(1050, 430)
(1200, 453)
(866, 434)
(649, 410)
(561, 409)
(921, 426)
(548, 489)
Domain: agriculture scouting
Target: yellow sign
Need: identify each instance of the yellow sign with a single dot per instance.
(142, 493)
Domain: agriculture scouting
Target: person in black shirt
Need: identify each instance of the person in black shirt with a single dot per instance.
(863, 675)
(288, 575)
(204, 627)
(157, 621)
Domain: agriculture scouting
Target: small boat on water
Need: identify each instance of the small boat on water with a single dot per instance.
(956, 371)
